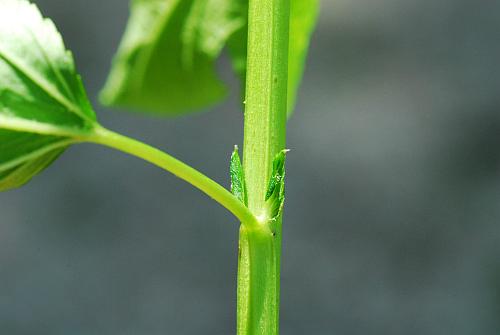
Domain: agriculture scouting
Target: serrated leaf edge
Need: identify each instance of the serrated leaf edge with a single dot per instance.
(45, 86)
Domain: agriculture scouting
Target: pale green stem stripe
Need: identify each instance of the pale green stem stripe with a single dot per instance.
(183, 171)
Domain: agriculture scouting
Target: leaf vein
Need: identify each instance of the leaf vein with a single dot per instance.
(35, 154)
(36, 127)
(45, 86)
(50, 63)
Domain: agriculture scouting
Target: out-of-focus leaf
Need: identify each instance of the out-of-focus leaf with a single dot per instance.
(237, 44)
(166, 60)
(43, 106)
(303, 17)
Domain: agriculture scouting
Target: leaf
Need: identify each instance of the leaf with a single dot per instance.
(238, 184)
(275, 196)
(237, 45)
(303, 17)
(43, 105)
(166, 60)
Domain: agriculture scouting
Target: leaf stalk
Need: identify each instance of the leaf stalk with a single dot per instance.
(183, 171)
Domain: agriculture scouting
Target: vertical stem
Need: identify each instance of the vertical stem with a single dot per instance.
(265, 130)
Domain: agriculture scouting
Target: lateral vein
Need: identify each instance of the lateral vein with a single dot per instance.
(33, 155)
(44, 85)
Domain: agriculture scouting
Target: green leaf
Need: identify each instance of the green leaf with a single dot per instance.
(238, 184)
(303, 18)
(237, 44)
(275, 196)
(166, 62)
(43, 106)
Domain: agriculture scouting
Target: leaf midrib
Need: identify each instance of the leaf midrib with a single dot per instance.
(9, 122)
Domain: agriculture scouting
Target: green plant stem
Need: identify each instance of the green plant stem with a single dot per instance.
(265, 135)
(165, 161)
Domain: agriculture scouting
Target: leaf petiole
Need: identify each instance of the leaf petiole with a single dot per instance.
(163, 160)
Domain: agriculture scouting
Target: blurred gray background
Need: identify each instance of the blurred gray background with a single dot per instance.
(392, 217)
